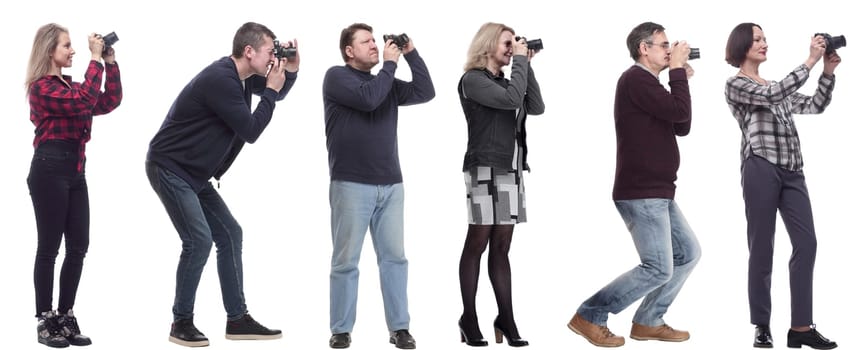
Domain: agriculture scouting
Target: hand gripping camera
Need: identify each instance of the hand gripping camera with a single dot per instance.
(281, 52)
(399, 40)
(109, 40)
(833, 42)
(534, 45)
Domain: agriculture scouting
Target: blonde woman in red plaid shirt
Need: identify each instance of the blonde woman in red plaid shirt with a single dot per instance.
(62, 112)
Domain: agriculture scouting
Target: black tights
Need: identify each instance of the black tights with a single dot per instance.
(498, 237)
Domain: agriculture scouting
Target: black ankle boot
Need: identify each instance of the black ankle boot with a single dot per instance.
(48, 332)
(470, 333)
(70, 330)
(511, 333)
(810, 338)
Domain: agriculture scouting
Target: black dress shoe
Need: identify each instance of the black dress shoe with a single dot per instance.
(402, 339)
(340, 341)
(762, 337)
(810, 338)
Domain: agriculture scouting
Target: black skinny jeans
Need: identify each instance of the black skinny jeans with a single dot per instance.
(61, 205)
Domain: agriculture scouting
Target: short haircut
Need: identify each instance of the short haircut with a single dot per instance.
(250, 33)
(641, 33)
(739, 43)
(347, 35)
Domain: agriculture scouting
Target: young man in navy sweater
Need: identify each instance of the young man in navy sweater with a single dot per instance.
(205, 129)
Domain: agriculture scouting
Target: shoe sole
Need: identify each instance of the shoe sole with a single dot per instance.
(191, 344)
(570, 326)
(392, 341)
(56, 346)
(674, 340)
(254, 336)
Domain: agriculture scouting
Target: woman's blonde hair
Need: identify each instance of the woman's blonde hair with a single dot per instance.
(483, 44)
(44, 43)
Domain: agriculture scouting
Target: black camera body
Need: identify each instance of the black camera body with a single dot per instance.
(534, 45)
(281, 52)
(109, 40)
(694, 53)
(400, 40)
(833, 42)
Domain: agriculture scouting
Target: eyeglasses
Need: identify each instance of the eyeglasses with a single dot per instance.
(664, 46)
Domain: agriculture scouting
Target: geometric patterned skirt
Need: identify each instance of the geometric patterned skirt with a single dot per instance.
(495, 196)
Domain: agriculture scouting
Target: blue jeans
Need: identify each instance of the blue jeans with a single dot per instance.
(200, 219)
(668, 251)
(355, 208)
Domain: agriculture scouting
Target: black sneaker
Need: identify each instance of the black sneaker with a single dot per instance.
(69, 328)
(48, 332)
(402, 339)
(186, 334)
(246, 328)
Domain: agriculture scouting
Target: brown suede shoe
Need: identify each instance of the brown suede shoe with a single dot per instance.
(596, 334)
(664, 333)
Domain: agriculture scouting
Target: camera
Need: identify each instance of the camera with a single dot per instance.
(833, 42)
(281, 52)
(534, 45)
(399, 40)
(109, 40)
(694, 53)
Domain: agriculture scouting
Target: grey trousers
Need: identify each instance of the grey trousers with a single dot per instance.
(768, 189)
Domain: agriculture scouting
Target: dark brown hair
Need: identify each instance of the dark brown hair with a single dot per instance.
(739, 43)
(250, 33)
(347, 35)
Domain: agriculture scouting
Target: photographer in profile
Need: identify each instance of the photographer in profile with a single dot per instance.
(648, 118)
(366, 188)
(62, 112)
(205, 129)
(496, 108)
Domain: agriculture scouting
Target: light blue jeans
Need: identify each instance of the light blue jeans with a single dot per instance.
(668, 251)
(355, 208)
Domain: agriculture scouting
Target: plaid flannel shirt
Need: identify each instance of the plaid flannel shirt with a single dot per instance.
(764, 113)
(64, 110)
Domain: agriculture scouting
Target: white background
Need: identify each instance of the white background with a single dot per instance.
(574, 242)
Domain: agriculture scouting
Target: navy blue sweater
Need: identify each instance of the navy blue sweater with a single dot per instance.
(361, 119)
(210, 121)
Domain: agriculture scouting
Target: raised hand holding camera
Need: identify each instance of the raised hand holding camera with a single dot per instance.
(275, 78)
(391, 50)
(679, 54)
(535, 45)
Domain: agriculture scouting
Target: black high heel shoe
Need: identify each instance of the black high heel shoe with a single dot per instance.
(513, 340)
(468, 340)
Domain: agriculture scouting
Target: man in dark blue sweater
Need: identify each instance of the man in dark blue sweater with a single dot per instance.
(202, 134)
(366, 190)
(647, 120)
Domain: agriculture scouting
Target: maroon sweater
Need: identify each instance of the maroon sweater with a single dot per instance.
(647, 119)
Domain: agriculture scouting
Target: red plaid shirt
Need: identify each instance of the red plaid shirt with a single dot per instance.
(64, 110)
